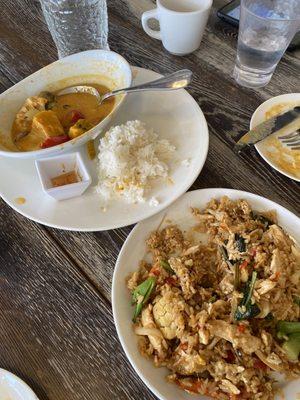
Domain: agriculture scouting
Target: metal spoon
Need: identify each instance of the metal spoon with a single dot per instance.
(176, 80)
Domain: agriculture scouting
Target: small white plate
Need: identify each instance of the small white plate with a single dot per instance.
(270, 149)
(174, 116)
(13, 388)
(134, 250)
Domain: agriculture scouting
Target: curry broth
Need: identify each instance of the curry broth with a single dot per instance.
(85, 103)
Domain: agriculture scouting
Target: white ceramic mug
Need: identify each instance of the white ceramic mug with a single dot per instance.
(182, 24)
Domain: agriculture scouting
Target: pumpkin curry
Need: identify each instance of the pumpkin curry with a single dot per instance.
(47, 120)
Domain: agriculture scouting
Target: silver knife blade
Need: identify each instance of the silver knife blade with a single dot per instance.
(289, 119)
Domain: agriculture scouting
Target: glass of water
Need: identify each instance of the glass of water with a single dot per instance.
(266, 29)
(76, 25)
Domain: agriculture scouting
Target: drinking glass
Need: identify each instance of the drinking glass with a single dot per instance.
(76, 25)
(266, 29)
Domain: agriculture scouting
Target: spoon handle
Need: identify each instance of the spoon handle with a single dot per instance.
(176, 80)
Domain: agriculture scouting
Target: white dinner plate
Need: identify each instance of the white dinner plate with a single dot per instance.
(13, 388)
(174, 115)
(279, 156)
(134, 250)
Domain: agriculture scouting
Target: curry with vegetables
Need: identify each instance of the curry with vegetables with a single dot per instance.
(47, 120)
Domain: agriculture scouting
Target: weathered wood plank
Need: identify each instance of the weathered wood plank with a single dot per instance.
(56, 331)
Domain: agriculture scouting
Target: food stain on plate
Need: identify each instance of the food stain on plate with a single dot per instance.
(280, 155)
(20, 200)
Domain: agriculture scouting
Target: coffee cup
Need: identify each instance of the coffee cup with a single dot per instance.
(182, 24)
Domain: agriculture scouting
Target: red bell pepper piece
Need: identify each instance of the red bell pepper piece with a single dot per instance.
(74, 115)
(54, 141)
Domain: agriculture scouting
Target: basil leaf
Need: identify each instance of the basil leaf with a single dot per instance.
(166, 266)
(141, 294)
(297, 300)
(240, 243)
(246, 309)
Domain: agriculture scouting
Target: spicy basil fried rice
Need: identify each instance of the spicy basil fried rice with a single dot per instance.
(221, 315)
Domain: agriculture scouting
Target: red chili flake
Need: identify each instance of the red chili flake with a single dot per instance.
(276, 277)
(171, 281)
(244, 264)
(184, 346)
(154, 271)
(260, 365)
(241, 328)
(193, 386)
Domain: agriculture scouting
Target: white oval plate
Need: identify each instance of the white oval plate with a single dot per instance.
(174, 115)
(13, 388)
(288, 101)
(134, 250)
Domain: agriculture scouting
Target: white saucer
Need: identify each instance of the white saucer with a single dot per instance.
(270, 149)
(174, 115)
(13, 388)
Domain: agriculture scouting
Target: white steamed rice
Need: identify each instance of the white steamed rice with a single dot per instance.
(131, 157)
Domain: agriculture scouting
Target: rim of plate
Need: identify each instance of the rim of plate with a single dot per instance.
(28, 391)
(215, 192)
(275, 100)
(152, 210)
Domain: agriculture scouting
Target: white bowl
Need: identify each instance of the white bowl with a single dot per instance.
(12, 387)
(93, 66)
(49, 168)
(134, 249)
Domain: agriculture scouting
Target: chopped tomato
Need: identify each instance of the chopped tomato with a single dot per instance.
(244, 264)
(252, 252)
(241, 328)
(260, 365)
(154, 271)
(230, 357)
(54, 141)
(75, 115)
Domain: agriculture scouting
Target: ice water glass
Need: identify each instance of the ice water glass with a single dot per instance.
(76, 25)
(266, 29)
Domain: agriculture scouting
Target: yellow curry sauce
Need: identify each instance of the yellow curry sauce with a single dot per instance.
(65, 179)
(47, 120)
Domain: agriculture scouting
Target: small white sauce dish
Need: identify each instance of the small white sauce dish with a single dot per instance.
(49, 168)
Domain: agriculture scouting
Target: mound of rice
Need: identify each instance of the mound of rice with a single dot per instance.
(131, 157)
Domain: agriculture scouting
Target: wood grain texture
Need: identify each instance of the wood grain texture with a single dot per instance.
(56, 331)
(56, 328)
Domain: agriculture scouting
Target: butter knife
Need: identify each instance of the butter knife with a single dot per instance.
(285, 123)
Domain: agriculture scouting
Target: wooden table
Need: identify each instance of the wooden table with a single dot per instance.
(56, 324)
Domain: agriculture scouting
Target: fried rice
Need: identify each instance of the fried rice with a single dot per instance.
(221, 315)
